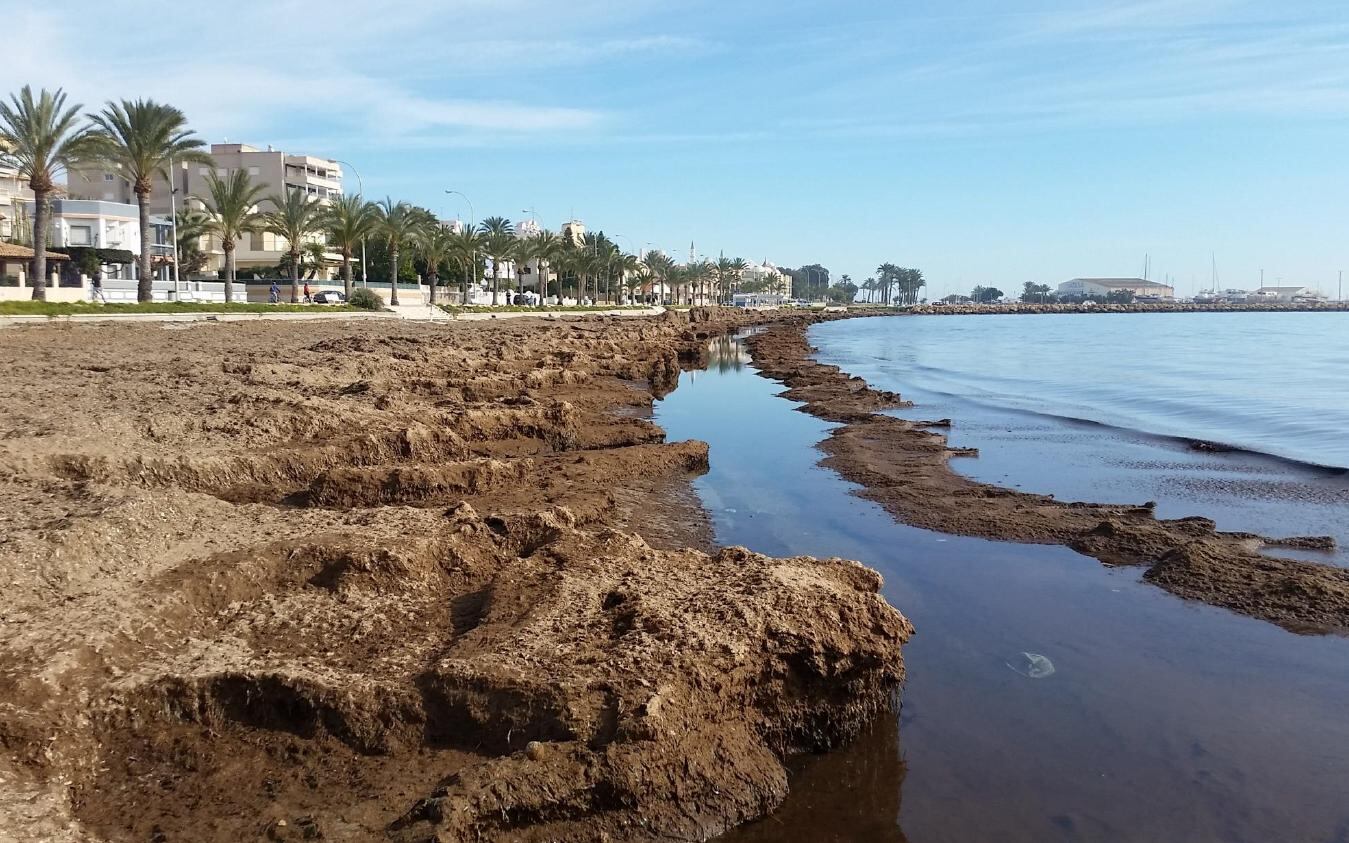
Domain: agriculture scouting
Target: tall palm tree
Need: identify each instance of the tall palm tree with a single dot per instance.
(348, 220)
(232, 211)
(436, 245)
(498, 234)
(467, 247)
(296, 217)
(398, 224)
(141, 137)
(39, 138)
(661, 266)
(631, 274)
(523, 253)
(738, 267)
(192, 225)
(547, 248)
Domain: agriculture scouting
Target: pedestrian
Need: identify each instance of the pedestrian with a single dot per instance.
(96, 288)
(307, 299)
(274, 295)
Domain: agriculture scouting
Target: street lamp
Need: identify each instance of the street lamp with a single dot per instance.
(360, 187)
(473, 257)
(473, 216)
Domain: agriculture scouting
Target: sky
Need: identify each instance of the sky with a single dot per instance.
(990, 142)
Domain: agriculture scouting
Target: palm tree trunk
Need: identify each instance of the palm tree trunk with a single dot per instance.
(346, 272)
(229, 270)
(145, 286)
(393, 278)
(435, 282)
(294, 277)
(43, 210)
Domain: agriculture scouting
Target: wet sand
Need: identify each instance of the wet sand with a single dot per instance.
(359, 581)
(904, 465)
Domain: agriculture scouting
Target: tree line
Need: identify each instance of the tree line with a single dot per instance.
(43, 135)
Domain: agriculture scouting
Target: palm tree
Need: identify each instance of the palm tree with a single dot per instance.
(498, 234)
(661, 267)
(296, 217)
(347, 221)
(466, 246)
(192, 225)
(231, 210)
(435, 244)
(523, 253)
(142, 137)
(548, 248)
(631, 272)
(398, 225)
(39, 138)
(738, 267)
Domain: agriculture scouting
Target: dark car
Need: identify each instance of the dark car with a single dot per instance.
(329, 297)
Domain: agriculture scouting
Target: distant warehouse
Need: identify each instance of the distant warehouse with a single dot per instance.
(1105, 286)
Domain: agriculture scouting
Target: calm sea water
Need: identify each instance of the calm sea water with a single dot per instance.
(1274, 383)
(1105, 407)
(1163, 720)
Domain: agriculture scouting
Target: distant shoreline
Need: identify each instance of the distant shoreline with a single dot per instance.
(1162, 307)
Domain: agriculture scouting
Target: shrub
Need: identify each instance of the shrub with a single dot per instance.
(365, 299)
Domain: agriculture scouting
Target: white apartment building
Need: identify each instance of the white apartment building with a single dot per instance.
(13, 193)
(108, 225)
(766, 278)
(277, 171)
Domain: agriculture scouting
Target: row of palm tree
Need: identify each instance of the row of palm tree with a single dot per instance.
(42, 135)
(893, 285)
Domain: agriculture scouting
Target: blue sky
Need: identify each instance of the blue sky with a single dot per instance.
(984, 142)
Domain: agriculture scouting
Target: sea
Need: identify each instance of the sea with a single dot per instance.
(1050, 697)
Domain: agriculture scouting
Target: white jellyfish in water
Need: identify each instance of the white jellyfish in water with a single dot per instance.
(1032, 665)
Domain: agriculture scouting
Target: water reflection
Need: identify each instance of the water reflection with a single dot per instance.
(844, 797)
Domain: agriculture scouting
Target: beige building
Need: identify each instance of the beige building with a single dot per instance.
(14, 193)
(278, 171)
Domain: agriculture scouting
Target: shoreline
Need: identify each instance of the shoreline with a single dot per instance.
(904, 466)
(398, 580)
(1031, 309)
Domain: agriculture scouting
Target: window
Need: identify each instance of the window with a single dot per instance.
(202, 171)
(255, 241)
(221, 172)
(253, 171)
(108, 177)
(81, 235)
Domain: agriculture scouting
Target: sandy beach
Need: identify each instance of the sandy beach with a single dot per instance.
(356, 581)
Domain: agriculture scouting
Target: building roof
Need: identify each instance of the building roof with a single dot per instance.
(1123, 282)
(1282, 289)
(13, 251)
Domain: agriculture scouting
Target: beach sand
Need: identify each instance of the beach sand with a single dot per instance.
(359, 580)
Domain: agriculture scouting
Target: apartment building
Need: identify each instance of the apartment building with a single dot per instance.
(14, 193)
(277, 171)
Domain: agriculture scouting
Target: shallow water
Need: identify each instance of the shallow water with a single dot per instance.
(1161, 720)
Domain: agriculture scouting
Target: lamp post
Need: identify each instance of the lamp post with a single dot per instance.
(473, 222)
(473, 216)
(360, 187)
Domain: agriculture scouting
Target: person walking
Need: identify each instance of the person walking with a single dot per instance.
(96, 288)
(307, 298)
(274, 294)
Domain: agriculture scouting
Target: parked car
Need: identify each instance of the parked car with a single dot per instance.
(329, 297)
